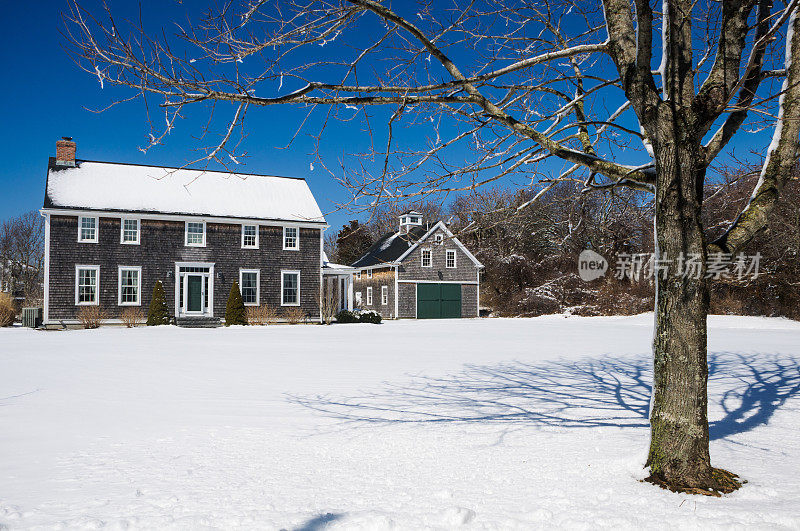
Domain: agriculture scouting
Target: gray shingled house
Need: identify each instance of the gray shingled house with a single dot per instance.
(112, 230)
(421, 271)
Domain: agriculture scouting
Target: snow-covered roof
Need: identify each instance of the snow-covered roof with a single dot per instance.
(106, 186)
(330, 267)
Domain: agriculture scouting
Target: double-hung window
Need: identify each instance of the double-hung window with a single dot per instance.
(450, 259)
(384, 295)
(358, 275)
(130, 286)
(249, 236)
(129, 231)
(249, 284)
(369, 273)
(196, 233)
(87, 229)
(291, 238)
(290, 288)
(369, 296)
(87, 285)
(426, 258)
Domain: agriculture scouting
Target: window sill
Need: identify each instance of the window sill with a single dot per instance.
(129, 243)
(293, 304)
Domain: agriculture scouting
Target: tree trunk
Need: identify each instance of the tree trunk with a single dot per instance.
(679, 446)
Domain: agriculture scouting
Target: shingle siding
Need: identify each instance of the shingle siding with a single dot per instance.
(469, 300)
(380, 277)
(411, 268)
(408, 301)
(162, 244)
(465, 272)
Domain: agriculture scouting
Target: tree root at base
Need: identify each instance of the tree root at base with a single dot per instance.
(721, 482)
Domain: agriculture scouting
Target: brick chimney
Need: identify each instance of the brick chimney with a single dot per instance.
(65, 151)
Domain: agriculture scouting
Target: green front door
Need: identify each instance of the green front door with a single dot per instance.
(438, 301)
(194, 293)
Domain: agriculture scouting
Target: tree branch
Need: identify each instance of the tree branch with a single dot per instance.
(781, 155)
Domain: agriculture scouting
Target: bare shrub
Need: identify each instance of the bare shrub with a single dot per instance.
(133, 316)
(91, 316)
(7, 309)
(328, 305)
(295, 315)
(727, 304)
(625, 297)
(261, 315)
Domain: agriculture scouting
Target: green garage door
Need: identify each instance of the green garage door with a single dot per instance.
(438, 301)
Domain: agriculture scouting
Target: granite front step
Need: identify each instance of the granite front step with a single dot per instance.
(198, 322)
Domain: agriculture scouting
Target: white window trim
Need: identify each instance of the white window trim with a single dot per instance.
(258, 285)
(384, 295)
(369, 296)
(138, 269)
(422, 257)
(358, 275)
(439, 238)
(97, 286)
(369, 273)
(258, 230)
(358, 297)
(96, 229)
(296, 240)
(298, 287)
(122, 231)
(455, 258)
(186, 234)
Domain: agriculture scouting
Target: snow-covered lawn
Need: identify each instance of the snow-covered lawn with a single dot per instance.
(489, 424)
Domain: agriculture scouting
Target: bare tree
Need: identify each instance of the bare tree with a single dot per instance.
(22, 255)
(502, 90)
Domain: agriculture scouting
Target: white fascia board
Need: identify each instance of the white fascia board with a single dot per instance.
(184, 217)
(382, 265)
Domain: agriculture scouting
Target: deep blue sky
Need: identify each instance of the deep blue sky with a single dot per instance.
(45, 96)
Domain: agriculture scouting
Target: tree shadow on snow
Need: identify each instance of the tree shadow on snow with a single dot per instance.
(318, 522)
(607, 391)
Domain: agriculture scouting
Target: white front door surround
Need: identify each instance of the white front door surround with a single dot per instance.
(194, 289)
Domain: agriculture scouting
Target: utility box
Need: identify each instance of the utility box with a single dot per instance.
(32, 317)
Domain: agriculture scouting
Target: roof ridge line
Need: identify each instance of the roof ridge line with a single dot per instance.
(186, 168)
